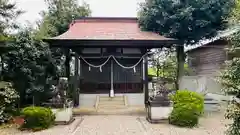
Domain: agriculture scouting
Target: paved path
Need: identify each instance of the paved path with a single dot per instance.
(137, 125)
(130, 125)
(110, 125)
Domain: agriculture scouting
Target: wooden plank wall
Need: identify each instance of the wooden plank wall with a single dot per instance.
(207, 60)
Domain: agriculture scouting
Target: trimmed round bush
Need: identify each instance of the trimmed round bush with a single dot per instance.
(183, 117)
(37, 118)
(188, 106)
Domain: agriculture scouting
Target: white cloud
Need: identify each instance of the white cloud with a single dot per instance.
(114, 8)
(100, 8)
(32, 9)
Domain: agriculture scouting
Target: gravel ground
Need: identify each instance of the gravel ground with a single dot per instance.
(56, 130)
(110, 125)
(212, 124)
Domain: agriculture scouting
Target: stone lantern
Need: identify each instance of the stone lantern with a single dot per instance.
(159, 107)
(62, 106)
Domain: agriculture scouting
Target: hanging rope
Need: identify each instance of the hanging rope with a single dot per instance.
(98, 66)
(126, 67)
(129, 66)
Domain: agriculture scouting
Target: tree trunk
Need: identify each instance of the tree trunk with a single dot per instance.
(158, 69)
(2, 66)
(180, 64)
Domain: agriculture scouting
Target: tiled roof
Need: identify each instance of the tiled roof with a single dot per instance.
(220, 35)
(107, 29)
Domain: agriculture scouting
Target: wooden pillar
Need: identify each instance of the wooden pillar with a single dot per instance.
(180, 63)
(67, 63)
(146, 92)
(76, 81)
(111, 92)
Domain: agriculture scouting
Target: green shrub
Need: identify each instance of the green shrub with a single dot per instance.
(187, 107)
(8, 98)
(37, 118)
(183, 117)
(192, 99)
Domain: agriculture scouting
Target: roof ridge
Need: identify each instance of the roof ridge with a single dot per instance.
(221, 34)
(106, 19)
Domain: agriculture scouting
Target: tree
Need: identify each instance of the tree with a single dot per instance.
(164, 65)
(8, 13)
(234, 17)
(29, 66)
(230, 81)
(230, 77)
(59, 15)
(56, 21)
(185, 20)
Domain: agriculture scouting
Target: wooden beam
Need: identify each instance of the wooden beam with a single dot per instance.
(76, 81)
(67, 63)
(146, 92)
(116, 55)
(72, 43)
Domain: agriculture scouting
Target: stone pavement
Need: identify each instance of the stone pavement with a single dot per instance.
(110, 125)
(213, 124)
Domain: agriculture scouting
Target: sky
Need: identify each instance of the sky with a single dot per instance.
(99, 8)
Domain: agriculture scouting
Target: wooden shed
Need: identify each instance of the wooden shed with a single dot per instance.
(207, 57)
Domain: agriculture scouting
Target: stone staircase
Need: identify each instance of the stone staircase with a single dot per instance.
(108, 104)
(211, 105)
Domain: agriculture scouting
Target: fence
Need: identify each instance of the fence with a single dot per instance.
(202, 84)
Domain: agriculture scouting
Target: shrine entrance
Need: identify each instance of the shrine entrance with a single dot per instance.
(111, 56)
(128, 80)
(122, 78)
(94, 81)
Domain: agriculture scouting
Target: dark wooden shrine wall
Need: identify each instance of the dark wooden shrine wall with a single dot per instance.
(105, 52)
(94, 80)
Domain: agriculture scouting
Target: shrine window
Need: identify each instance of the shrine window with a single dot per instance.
(91, 51)
(131, 51)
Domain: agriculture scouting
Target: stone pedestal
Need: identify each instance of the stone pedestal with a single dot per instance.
(63, 115)
(158, 114)
(159, 108)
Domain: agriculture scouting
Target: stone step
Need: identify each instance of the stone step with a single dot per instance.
(118, 104)
(122, 111)
(211, 108)
(211, 102)
(111, 103)
(111, 99)
(110, 108)
(103, 111)
(107, 103)
(137, 110)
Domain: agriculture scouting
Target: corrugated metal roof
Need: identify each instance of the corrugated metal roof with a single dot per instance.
(220, 35)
